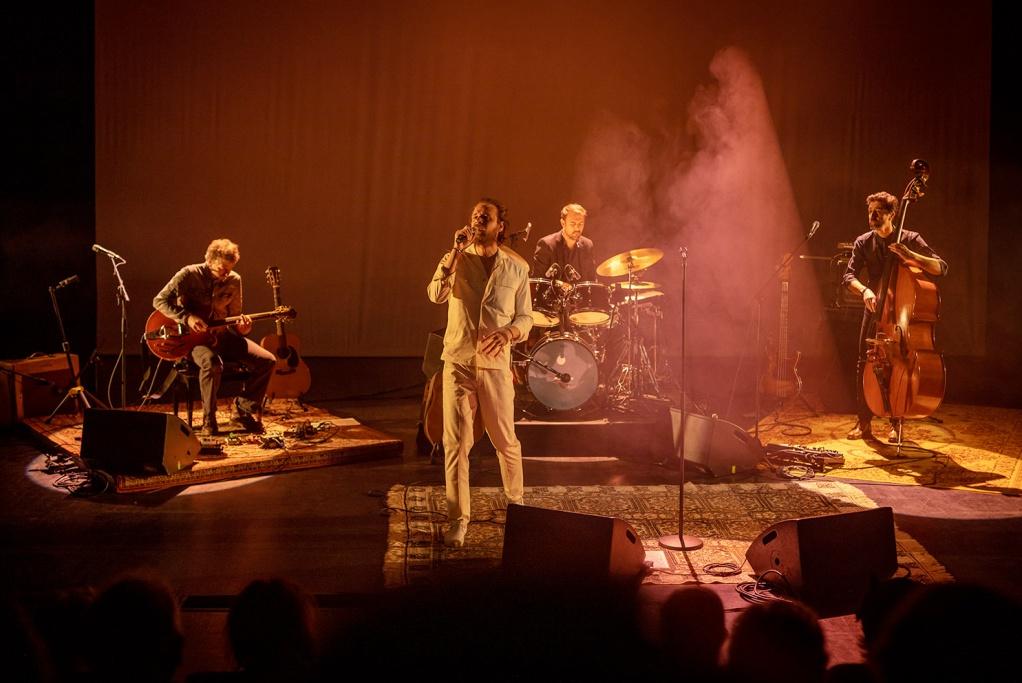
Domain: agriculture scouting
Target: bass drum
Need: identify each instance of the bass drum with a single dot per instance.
(577, 375)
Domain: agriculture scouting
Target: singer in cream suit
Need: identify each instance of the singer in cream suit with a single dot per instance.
(486, 288)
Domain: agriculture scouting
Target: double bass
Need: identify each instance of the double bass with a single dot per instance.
(904, 376)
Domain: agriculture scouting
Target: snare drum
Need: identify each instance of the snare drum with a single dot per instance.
(589, 304)
(546, 302)
(562, 373)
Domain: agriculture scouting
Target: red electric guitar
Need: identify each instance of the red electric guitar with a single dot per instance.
(291, 377)
(170, 340)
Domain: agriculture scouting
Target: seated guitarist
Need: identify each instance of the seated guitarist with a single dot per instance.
(212, 291)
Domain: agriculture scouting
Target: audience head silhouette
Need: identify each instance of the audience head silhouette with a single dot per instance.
(949, 632)
(692, 633)
(777, 642)
(134, 631)
(271, 629)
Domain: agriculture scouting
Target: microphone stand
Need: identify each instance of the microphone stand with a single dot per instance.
(759, 292)
(680, 541)
(122, 299)
(74, 388)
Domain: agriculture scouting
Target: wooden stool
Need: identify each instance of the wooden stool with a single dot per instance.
(187, 381)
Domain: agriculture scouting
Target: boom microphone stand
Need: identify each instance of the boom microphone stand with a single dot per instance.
(680, 541)
(74, 389)
(759, 314)
(122, 299)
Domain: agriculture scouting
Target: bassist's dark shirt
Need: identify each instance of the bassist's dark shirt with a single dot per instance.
(870, 250)
(193, 290)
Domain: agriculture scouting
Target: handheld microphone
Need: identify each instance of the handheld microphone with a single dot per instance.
(67, 281)
(462, 237)
(552, 271)
(573, 274)
(103, 250)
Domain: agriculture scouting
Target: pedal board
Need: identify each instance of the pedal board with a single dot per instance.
(210, 446)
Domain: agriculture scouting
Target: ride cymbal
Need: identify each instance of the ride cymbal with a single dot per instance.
(629, 262)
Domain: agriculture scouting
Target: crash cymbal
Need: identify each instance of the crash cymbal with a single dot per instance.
(639, 297)
(636, 285)
(629, 261)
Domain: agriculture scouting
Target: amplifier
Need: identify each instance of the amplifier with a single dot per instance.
(22, 397)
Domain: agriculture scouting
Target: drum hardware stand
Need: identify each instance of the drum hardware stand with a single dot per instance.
(74, 389)
(563, 376)
(680, 541)
(638, 371)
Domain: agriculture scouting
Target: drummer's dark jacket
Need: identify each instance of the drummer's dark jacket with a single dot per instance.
(552, 249)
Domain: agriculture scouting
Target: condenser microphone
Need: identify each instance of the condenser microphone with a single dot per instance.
(812, 230)
(103, 250)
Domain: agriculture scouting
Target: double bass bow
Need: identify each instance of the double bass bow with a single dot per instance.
(904, 375)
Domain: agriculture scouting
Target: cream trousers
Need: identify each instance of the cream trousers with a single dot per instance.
(466, 390)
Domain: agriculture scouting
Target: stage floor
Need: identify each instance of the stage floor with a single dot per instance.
(327, 528)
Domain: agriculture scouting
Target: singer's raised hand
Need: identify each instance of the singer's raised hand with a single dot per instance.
(463, 238)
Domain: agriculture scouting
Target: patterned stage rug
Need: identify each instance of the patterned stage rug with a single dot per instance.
(307, 439)
(727, 517)
(971, 448)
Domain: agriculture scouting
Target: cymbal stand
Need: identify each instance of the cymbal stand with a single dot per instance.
(638, 370)
(74, 389)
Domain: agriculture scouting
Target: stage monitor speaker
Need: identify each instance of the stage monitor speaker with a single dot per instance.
(828, 562)
(137, 443)
(431, 362)
(716, 446)
(541, 543)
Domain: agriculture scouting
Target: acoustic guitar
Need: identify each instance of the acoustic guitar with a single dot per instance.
(170, 340)
(291, 377)
(781, 379)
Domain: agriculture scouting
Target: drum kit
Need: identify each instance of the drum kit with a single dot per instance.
(589, 348)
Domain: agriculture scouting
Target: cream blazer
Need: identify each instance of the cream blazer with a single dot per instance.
(477, 305)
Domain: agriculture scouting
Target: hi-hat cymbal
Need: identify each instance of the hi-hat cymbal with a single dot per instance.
(639, 297)
(636, 285)
(629, 261)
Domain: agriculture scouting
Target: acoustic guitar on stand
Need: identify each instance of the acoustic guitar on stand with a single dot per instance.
(170, 340)
(781, 379)
(291, 377)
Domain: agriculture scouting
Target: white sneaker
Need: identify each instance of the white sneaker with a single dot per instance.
(454, 537)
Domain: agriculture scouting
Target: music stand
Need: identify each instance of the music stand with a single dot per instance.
(74, 389)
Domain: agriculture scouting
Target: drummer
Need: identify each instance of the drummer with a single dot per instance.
(566, 247)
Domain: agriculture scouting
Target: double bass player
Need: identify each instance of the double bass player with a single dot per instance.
(870, 251)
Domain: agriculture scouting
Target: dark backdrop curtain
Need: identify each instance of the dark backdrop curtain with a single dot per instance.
(345, 142)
